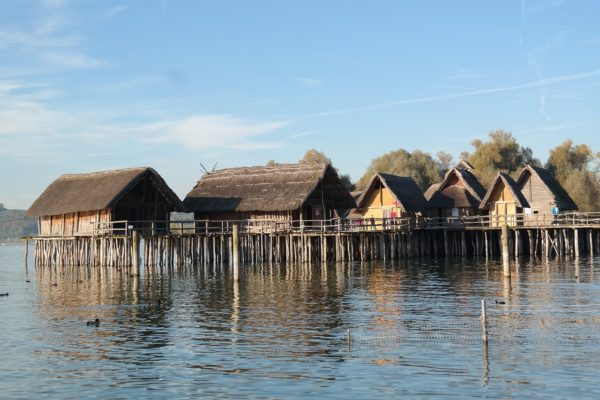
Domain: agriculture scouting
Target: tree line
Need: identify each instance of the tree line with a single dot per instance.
(575, 167)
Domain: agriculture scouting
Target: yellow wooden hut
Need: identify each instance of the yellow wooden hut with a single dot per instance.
(388, 198)
(83, 204)
(504, 200)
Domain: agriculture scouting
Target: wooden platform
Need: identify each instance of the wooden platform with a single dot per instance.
(188, 243)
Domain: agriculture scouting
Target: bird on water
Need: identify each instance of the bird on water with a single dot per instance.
(3, 294)
(95, 323)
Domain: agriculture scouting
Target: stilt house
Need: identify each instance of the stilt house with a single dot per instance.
(105, 202)
(458, 195)
(307, 193)
(388, 197)
(504, 200)
(545, 196)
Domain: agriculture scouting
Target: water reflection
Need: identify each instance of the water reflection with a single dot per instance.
(280, 331)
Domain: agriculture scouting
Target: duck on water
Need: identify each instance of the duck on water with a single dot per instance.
(95, 323)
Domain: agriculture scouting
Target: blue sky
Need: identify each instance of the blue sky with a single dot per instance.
(96, 85)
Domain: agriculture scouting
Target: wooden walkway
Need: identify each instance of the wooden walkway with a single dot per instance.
(190, 243)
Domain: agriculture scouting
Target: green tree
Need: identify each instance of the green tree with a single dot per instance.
(570, 165)
(584, 189)
(501, 153)
(418, 165)
(566, 158)
(444, 161)
(314, 156)
(347, 182)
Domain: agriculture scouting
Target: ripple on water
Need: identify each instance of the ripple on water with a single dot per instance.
(282, 332)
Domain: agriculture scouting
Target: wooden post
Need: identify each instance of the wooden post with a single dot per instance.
(26, 251)
(236, 249)
(591, 240)
(505, 251)
(532, 249)
(484, 330)
(446, 250)
(576, 241)
(487, 250)
(348, 339)
(135, 252)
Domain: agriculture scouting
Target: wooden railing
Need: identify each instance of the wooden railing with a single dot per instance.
(341, 225)
(573, 219)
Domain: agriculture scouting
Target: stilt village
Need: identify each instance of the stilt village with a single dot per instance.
(303, 213)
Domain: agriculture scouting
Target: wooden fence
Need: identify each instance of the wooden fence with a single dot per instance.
(342, 225)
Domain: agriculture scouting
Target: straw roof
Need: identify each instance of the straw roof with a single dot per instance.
(509, 183)
(464, 164)
(447, 195)
(356, 194)
(430, 191)
(282, 187)
(96, 191)
(404, 189)
(561, 197)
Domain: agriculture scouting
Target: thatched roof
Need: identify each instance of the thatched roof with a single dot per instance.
(96, 191)
(561, 197)
(509, 183)
(430, 191)
(464, 164)
(282, 187)
(447, 195)
(404, 189)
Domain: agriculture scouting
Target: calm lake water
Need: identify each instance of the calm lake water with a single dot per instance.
(282, 331)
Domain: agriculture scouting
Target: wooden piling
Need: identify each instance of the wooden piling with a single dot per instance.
(484, 328)
(505, 251)
(135, 252)
(26, 252)
(236, 249)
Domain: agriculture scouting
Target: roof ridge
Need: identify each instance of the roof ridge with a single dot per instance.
(106, 172)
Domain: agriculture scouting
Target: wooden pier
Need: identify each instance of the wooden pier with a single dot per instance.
(205, 243)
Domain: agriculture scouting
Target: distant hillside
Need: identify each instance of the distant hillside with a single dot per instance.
(14, 224)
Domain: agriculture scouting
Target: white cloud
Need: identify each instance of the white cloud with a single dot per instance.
(256, 146)
(310, 82)
(7, 88)
(29, 41)
(140, 81)
(71, 60)
(28, 119)
(114, 11)
(478, 92)
(534, 7)
(47, 40)
(210, 131)
(22, 112)
(302, 134)
(55, 3)
(536, 61)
